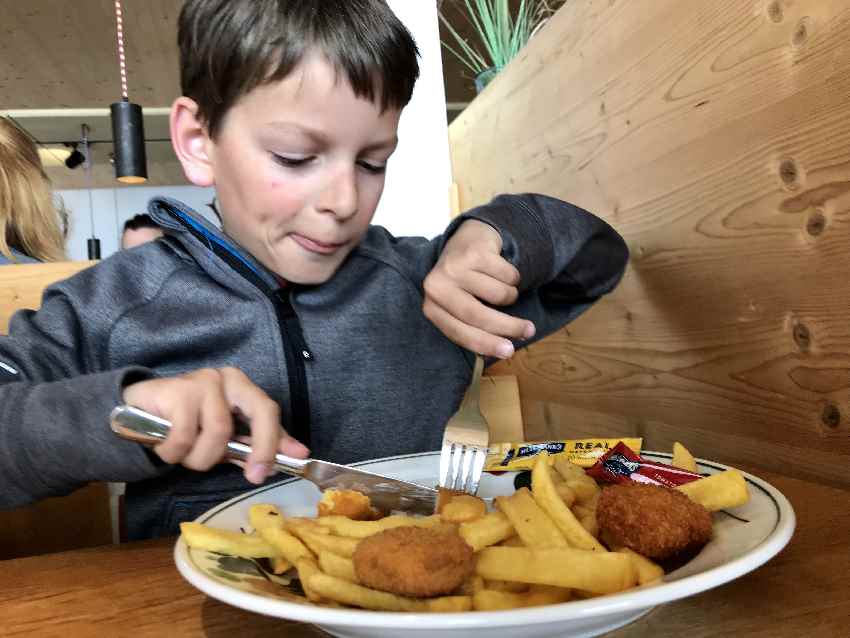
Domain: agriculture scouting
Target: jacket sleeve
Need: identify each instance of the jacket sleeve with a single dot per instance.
(56, 395)
(567, 257)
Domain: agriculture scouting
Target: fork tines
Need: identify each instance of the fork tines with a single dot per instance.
(466, 440)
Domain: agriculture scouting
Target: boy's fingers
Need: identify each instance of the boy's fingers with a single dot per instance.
(466, 308)
(216, 430)
(499, 268)
(263, 415)
(489, 289)
(184, 431)
(293, 447)
(468, 336)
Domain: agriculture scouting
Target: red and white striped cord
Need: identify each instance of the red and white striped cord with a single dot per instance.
(119, 21)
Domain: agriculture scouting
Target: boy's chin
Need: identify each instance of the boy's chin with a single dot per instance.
(306, 276)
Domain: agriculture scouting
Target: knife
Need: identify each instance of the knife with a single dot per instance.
(387, 494)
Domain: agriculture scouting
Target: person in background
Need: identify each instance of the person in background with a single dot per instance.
(138, 230)
(32, 229)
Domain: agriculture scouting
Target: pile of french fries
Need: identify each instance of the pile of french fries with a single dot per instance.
(538, 546)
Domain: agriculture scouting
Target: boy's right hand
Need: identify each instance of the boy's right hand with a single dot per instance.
(200, 406)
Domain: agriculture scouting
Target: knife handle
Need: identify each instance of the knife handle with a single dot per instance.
(142, 427)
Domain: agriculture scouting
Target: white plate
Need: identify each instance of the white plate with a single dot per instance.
(756, 533)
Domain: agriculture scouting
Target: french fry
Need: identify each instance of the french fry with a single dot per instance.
(647, 571)
(487, 530)
(595, 572)
(318, 543)
(338, 566)
(513, 541)
(505, 585)
(265, 516)
(307, 569)
(221, 541)
(571, 529)
(463, 508)
(682, 458)
(565, 492)
(718, 491)
(280, 565)
(590, 524)
(342, 591)
(471, 585)
(269, 522)
(342, 526)
(531, 523)
(585, 490)
(568, 470)
(494, 600)
(575, 478)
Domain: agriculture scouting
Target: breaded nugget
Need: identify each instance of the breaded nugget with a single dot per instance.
(413, 561)
(348, 503)
(654, 521)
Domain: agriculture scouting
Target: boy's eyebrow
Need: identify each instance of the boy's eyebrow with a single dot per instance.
(322, 139)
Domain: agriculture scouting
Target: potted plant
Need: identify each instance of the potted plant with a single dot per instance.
(501, 33)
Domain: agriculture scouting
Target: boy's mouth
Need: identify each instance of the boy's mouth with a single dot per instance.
(315, 246)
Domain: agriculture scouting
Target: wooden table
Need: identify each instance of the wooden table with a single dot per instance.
(135, 590)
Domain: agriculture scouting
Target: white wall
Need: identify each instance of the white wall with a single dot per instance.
(416, 197)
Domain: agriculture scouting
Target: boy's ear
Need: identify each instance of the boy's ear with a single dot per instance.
(191, 142)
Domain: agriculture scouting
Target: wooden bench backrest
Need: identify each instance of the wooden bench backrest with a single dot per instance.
(21, 285)
(83, 518)
(718, 144)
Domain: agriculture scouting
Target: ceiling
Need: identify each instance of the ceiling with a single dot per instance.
(62, 54)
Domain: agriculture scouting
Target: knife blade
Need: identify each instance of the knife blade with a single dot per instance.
(386, 493)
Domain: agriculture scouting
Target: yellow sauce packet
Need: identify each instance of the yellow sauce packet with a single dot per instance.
(510, 457)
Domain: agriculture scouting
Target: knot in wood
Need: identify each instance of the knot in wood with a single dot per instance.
(816, 224)
(789, 173)
(831, 415)
(802, 337)
(774, 11)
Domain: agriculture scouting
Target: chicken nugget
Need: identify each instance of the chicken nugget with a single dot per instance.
(655, 521)
(413, 561)
(348, 503)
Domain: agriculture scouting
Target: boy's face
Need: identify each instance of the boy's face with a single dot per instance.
(298, 166)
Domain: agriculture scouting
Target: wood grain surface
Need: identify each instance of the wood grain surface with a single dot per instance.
(135, 590)
(81, 519)
(21, 285)
(715, 137)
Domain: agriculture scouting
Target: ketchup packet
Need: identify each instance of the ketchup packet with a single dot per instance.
(621, 465)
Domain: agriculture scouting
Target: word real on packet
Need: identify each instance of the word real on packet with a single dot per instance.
(511, 457)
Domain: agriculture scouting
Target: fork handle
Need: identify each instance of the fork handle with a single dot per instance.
(471, 398)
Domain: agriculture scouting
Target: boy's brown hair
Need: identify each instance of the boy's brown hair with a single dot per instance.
(230, 47)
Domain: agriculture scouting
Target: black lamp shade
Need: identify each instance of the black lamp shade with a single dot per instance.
(94, 248)
(128, 140)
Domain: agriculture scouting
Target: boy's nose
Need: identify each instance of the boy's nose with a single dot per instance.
(340, 195)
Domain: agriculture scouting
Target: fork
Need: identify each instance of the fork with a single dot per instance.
(466, 440)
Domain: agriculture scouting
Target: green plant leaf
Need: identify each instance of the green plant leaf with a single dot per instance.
(502, 34)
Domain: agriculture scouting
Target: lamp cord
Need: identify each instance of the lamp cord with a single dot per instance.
(119, 22)
(87, 168)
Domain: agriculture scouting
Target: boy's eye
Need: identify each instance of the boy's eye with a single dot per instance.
(291, 162)
(375, 169)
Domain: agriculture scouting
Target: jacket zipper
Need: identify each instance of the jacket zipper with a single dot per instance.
(295, 348)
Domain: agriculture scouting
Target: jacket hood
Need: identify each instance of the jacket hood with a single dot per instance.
(201, 237)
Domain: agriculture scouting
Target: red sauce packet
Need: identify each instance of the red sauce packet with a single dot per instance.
(621, 465)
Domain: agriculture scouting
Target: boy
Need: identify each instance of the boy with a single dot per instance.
(299, 313)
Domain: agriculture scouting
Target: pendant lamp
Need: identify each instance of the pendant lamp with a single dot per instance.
(128, 129)
(93, 243)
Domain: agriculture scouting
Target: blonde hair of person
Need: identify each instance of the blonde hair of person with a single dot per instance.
(29, 220)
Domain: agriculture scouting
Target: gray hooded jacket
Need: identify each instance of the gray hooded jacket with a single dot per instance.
(358, 370)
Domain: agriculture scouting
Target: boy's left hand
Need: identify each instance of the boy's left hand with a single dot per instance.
(469, 273)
